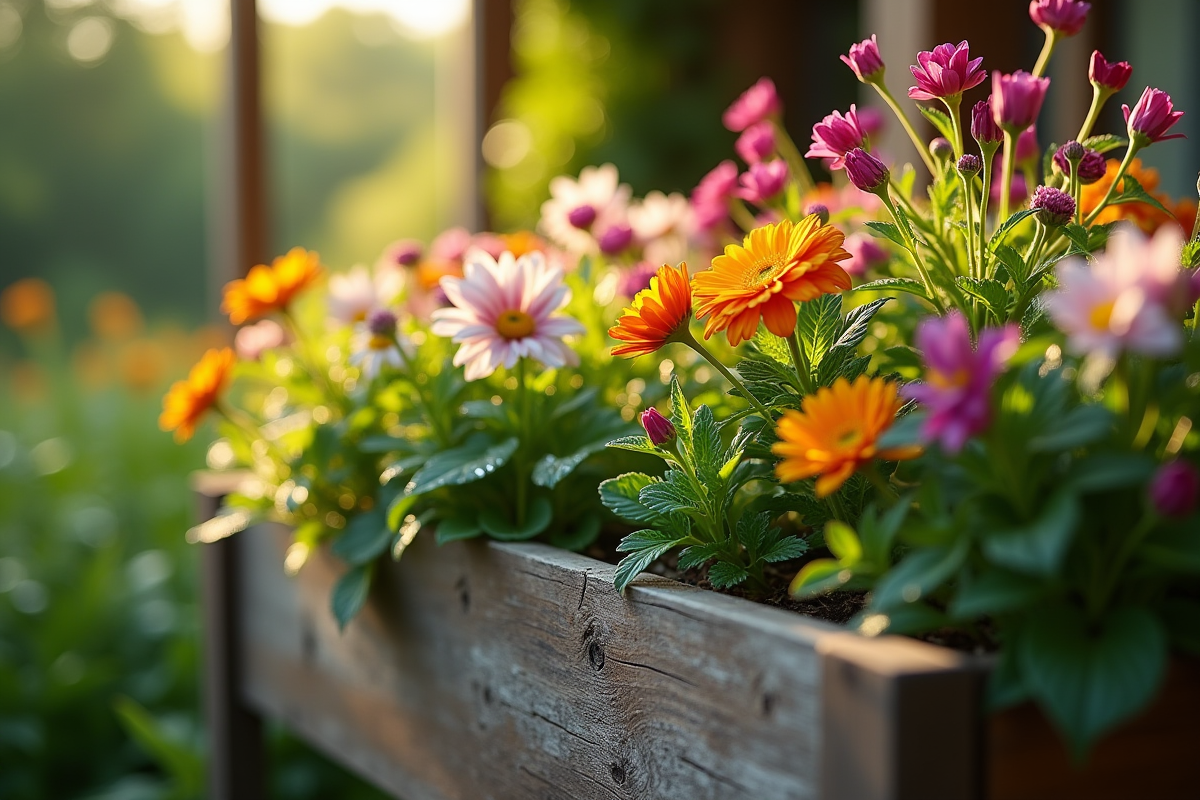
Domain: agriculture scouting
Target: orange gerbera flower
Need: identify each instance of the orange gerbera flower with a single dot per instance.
(1145, 216)
(188, 400)
(774, 267)
(837, 431)
(266, 289)
(657, 315)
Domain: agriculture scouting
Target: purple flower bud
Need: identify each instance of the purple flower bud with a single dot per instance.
(1089, 163)
(1053, 207)
(983, 126)
(756, 143)
(406, 252)
(382, 323)
(866, 171)
(1175, 489)
(1017, 99)
(658, 428)
(821, 210)
(970, 165)
(865, 60)
(1064, 17)
(582, 216)
(1106, 76)
(1071, 151)
(1151, 118)
(615, 238)
(941, 149)
(1027, 150)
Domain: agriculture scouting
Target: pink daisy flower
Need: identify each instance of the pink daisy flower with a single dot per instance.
(504, 310)
(354, 294)
(578, 208)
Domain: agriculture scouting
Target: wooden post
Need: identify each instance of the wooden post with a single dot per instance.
(236, 757)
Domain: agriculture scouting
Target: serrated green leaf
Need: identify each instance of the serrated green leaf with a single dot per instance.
(907, 285)
(366, 536)
(621, 496)
(858, 323)
(818, 324)
(499, 525)
(637, 444)
(785, 549)
(1090, 675)
(551, 469)
(461, 465)
(1105, 142)
(674, 493)
(350, 593)
(681, 414)
(645, 538)
(771, 346)
(636, 562)
(887, 230)
(1078, 236)
(698, 554)
(724, 574)
(706, 445)
(991, 292)
(1013, 221)
(1132, 192)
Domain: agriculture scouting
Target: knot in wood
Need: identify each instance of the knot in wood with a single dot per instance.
(596, 655)
(618, 774)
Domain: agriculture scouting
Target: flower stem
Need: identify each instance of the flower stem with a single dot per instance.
(912, 248)
(955, 123)
(1129, 154)
(969, 201)
(1043, 61)
(1010, 143)
(685, 337)
(523, 430)
(800, 362)
(1099, 97)
(791, 154)
(922, 150)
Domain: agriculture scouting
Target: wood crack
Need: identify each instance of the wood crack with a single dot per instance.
(549, 721)
(714, 775)
(682, 680)
(583, 592)
(602, 785)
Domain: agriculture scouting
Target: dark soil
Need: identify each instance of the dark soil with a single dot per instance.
(836, 607)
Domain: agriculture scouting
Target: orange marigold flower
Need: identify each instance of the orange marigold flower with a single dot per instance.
(27, 305)
(266, 289)
(114, 316)
(187, 400)
(657, 315)
(1145, 216)
(774, 267)
(837, 431)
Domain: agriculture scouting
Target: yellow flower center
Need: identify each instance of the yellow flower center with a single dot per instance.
(850, 438)
(360, 316)
(765, 270)
(1101, 316)
(515, 324)
(380, 342)
(954, 380)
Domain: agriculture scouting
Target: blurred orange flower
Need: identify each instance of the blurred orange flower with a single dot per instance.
(188, 400)
(775, 267)
(836, 432)
(1146, 217)
(143, 362)
(522, 242)
(431, 271)
(90, 365)
(656, 315)
(114, 316)
(266, 289)
(27, 305)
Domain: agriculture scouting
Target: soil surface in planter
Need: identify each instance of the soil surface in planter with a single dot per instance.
(836, 607)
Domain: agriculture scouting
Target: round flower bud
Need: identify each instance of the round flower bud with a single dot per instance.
(866, 171)
(1090, 164)
(1175, 489)
(582, 216)
(1053, 207)
(941, 149)
(382, 323)
(821, 210)
(1072, 151)
(970, 165)
(615, 238)
(658, 428)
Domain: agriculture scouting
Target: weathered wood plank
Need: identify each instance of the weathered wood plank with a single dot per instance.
(487, 670)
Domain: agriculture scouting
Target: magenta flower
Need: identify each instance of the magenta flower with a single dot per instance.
(710, 199)
(615, 238)
(1151, 118)
(983, 125)
(865, 60)
(865, 254)
(1065, 17)
(636, 278)
(835, 135)
(405, 253)
(1027, 151)
(658, 428)
(756, 143)
(1017, 99)
(866, 171)
(958, 378)
(1175, 489)
(945, 71)
(1053, 207)
(871, 121)
(1091, 163)
(1106, 76)
(763, 181)
(757, 103)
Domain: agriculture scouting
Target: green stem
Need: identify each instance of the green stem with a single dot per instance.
(1130, 152)
(955, 122)
(1099, 98)
(912, 248)
(800, 362)
(435, 421)
(741, 215)
(685, 337)
(922, 150)
(523, 433)
(1010, 143)
(969, 202)
(791, 154)
(988, 152)
(1043, 61)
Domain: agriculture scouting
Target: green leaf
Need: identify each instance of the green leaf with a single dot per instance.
(398, 509)
(366, 536)
(651, 545)
(819, 323)
(384, 444)
(858, 322)
(621, 495)
(843, 542)
(918, 574)
(1106, 471)
(638, 444)
(1010, 223)
(177, 759)
(452, 529)
(994, 592)
(1176, 550)
(1132, 192)
(551, 469)
(698, 554)
(939, 119)
(819, 576)
(497, 524)
(1038, 547)
(1104, 142)
(706, 445)
(908, 285)
(878, 534)
(1080, 426)
(724, 574)
(752, 532)
(785, 549)
(889, 231)
(645, 538)
(1078, 235)
(991, 292)
(771, 346)
(460, 465)
(674, 493)
(1091, 675)
(681, 415)
(350, 593)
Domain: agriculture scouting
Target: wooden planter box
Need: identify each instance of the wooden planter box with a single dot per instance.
(489, 670)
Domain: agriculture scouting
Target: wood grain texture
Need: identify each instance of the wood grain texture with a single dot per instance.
(488, 670)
